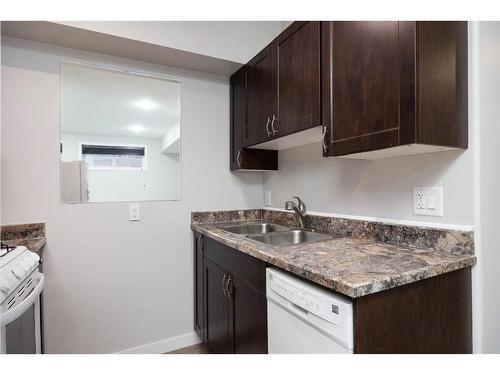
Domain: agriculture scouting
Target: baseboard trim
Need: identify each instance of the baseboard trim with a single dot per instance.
(165, 346)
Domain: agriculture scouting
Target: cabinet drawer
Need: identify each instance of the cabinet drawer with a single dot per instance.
(248, 269)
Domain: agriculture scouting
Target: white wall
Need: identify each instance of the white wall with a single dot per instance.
(160, 180)
(379, 188)
(488, 210)
(112, 284)
(236, 41)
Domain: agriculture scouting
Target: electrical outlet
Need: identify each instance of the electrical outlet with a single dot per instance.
(420, 199)
(267, 198)
(134, 212)
(428, 201)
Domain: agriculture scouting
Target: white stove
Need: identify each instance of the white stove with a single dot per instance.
(20, 286)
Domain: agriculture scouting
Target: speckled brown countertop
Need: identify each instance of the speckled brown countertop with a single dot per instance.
(354, 265)
(30, 235)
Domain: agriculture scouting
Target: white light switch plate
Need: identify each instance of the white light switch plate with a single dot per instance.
(134, 212)
(428, 201)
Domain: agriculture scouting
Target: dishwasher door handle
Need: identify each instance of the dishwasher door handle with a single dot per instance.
(296, 309)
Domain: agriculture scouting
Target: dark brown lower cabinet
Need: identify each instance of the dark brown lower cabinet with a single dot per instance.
(235, 301)
(249, 320)
(217, 309)
(199, 302)
(428, 316)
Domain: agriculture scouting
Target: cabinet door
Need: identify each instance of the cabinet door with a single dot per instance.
(261, 95)
(240, 157)
(361, 82)
(248, 318)
(238, 116)
(217, 305)
(199, 267)
(299, 78)
(442, 83)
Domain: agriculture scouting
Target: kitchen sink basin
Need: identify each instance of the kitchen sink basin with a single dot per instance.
(290, 237)
(255, 228)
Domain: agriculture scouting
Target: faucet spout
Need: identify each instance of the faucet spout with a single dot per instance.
(299, 208)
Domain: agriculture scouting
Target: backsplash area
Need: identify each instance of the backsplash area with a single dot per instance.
(377, 188)
(440, 240)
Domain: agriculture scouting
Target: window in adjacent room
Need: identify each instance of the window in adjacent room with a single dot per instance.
(114, 157)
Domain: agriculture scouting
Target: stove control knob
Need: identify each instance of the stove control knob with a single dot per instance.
(18, 271)
(25, 264)
(34, 256)
(4, 286)
(30, 261)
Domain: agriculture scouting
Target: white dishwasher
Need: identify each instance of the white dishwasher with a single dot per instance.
(302, 318)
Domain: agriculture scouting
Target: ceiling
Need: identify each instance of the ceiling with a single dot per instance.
(99, 101)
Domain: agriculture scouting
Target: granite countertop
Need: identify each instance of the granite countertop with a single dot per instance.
(30, 235)
(354, 265)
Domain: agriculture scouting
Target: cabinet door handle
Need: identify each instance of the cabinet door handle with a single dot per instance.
(223, 284)
(272, 125)
(238, 159)
(267, 128)
(229, 291)
(200, 243)
(323, 134)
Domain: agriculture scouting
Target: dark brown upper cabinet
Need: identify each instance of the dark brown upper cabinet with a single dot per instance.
(393, 88)
(262, 95)
(299, 79)
(242, 158)
(283, 85)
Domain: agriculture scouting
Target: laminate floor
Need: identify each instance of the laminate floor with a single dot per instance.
(193, 349)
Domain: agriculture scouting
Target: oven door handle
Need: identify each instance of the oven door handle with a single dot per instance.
(12, 314)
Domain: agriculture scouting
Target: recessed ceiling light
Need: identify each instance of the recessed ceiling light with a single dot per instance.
(145, 104)
(137, 128)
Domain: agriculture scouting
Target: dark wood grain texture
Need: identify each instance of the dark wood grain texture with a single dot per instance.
(430, 316)
(217, 309)
(245, 267)
(365, 78)
(249, 318)
(299, 78)
(442, 83)
(242, 158)
(236, 309)
(407, 83)
(199, 290)
(261, 94)
(238, 114)
(382, 76)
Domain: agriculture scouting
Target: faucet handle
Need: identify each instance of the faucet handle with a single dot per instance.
(301, 205)
(289, 205)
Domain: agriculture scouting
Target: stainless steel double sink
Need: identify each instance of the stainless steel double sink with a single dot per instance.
(276, 235)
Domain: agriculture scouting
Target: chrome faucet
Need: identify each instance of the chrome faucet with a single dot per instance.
(299, 208)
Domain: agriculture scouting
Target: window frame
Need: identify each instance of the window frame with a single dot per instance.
(114, 169)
